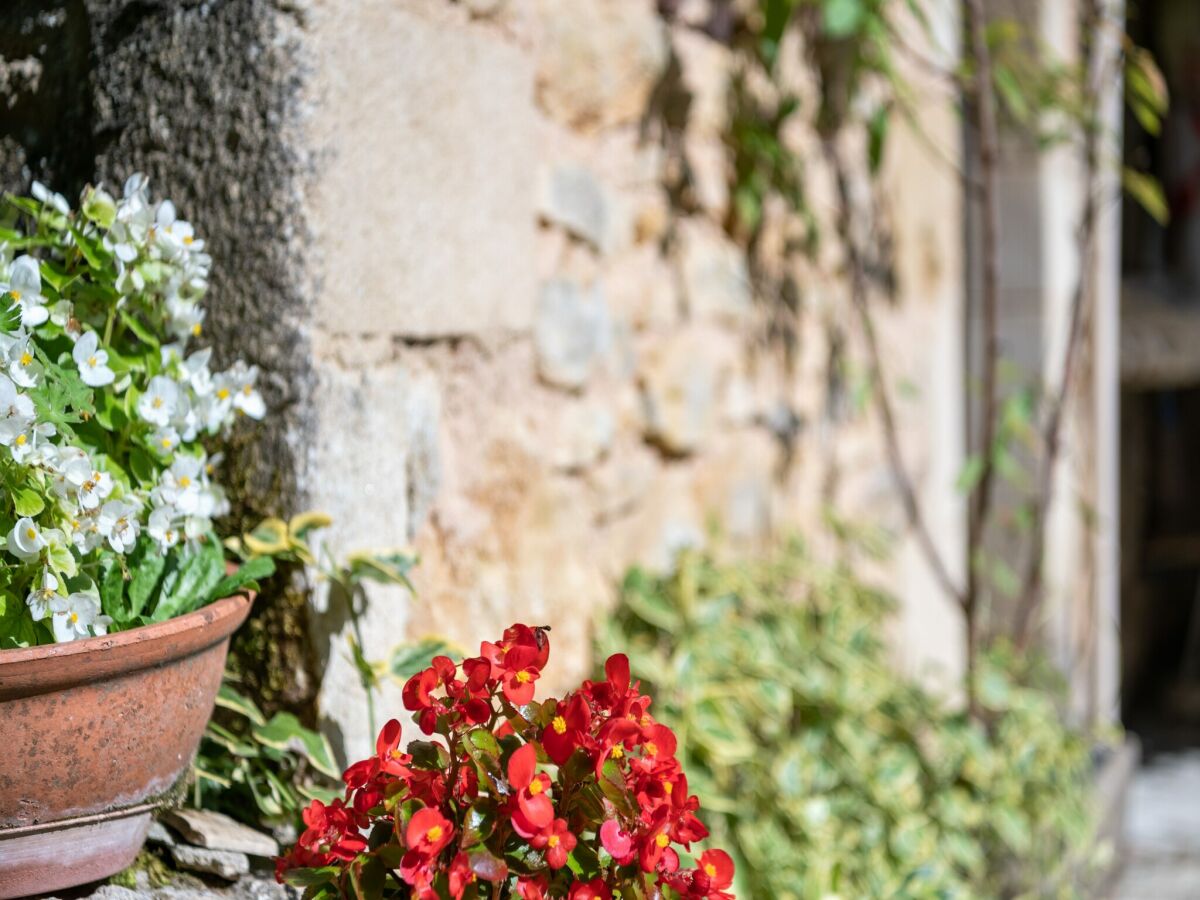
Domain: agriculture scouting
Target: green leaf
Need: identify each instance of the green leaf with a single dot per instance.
(841, 18)
(17, 628)
(1147, 191)
(426, 755)
(146, 565)
(228, 698)
(112, 590)
(972, 471)
(284, 732)
(28, 502)
(245, 576)
(134, 324)
(409, 659)
(189, 584)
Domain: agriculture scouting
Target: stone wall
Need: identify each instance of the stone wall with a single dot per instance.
(481, 247)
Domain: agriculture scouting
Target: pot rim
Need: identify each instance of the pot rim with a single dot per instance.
(50, 667)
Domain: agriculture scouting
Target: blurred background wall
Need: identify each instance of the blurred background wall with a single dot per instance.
(488, 255)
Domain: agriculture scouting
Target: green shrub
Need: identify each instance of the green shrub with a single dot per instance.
(825, 771)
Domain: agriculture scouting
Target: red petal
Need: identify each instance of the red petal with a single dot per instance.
(538, 810)
(389, 738)
(615, 841)
(617, 670)
(521, 766)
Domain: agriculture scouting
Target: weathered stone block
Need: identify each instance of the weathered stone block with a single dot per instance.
(375, 467)
(716, 282)
(571, 197)
(681, 382)
(598, 61)
(573, 331)
(422, 204)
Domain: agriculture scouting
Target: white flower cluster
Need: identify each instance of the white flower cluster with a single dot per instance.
(161, 265)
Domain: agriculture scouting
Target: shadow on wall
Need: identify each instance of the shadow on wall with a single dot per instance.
(45, 95)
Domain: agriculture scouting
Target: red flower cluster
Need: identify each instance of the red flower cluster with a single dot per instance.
(580, 798)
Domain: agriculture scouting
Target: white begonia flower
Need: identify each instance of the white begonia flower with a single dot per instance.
(173, 237)
(157, 405)
(186, 318)
(165, 440)
(26, 540)
(182, 484)
(25, 287)
(92, 361)
(95, 489)
(39, 598)
(71, 470)
(27, 444)
(119, 525)
(61, 314)
(16, 412)
(238, 384)
(162, 527)
(49, 197)
(77, 616)
(21, 362)
(85, 532)
(196, 372)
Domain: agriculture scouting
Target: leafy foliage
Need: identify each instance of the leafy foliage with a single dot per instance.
(830, 774)
(258, 770)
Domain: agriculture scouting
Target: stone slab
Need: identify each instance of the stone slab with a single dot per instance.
(217, 831)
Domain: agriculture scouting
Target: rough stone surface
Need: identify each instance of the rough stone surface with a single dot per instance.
(379, 475)
(599, 61)
(572, 332)
(227, 864)
(572, 197)
(187, 887)
(716, 282)
(642, 290)
(422, 208)
(1162, 831)
(680, 383)
(217, 831)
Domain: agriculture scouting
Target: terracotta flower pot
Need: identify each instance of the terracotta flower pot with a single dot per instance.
(93, 734)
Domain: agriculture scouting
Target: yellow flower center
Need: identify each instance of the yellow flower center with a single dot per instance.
(535, 786)
(552, 841)
(31, 533)
(662, 840)
(16, 295)
(523, 677)
(92, 361)
(710, 870)
(396, 754)
(26, 358)
(223, 393)
(559, 725)
(434, 833)
(157, 402)
(166, 442)
(21, 439)
(668, 787)
(184, 481)
(617, 752)
(188, 240)
(652, 748)
(74, 617)
(196, 329)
